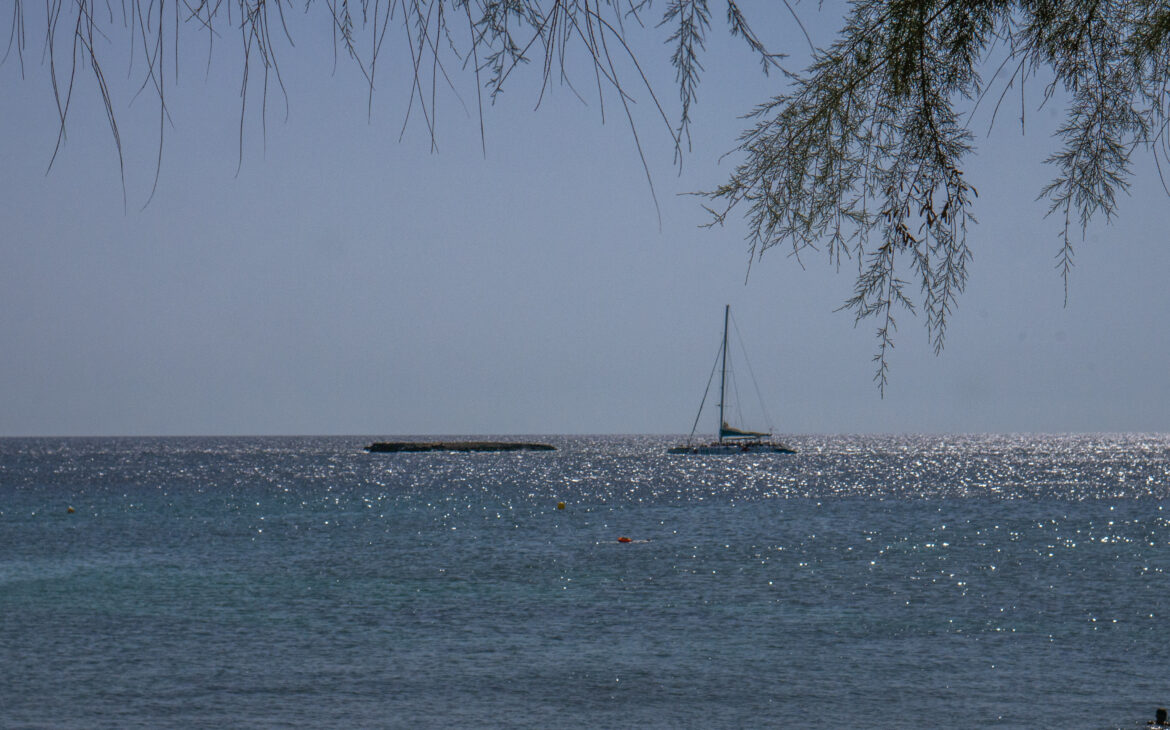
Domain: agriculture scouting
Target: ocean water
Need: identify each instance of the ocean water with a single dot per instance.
(869, 582)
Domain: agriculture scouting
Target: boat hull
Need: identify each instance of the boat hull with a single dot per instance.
(754, 447)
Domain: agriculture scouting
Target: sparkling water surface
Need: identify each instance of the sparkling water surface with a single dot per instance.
(887, 582)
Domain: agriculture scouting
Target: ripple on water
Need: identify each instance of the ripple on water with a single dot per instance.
(305, 583)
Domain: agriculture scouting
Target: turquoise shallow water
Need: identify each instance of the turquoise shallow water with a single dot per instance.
(900, 582)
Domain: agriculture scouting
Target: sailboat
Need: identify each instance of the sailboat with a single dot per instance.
(729, 440)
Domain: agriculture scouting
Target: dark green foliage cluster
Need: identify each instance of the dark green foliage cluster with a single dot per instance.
(863, 156)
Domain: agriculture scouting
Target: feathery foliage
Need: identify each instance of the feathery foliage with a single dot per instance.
(861, 156)
(488, 39)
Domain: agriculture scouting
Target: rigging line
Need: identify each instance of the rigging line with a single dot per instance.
(732, 408)
(738, 407)
(705, 391)
(759, 396)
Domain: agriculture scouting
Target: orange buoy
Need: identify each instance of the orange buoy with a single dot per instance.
(623, 538)
(560, 505)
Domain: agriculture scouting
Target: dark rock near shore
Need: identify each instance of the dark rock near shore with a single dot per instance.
(385, 447)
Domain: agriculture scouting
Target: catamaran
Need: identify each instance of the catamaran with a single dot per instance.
(730, 440)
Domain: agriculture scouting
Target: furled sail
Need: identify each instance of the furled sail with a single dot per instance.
(727, 432)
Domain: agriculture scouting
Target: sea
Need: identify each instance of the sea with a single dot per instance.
(900, 581)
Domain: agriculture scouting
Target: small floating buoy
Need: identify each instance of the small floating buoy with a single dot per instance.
(560, 505)
(71, 510)
(623, 538)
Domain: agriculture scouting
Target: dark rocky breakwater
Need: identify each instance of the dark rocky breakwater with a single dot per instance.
(416, 446)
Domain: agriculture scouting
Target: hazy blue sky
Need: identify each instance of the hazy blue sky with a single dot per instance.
(347, 281)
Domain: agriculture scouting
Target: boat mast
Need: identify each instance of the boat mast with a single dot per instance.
(723, 373)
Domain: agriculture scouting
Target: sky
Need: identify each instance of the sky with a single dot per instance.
(341, 277)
